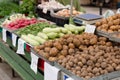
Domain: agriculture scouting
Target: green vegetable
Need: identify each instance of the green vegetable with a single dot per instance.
(64, 30)
(52, 35)
(42, 35)
(61, 34)
(36, 38)
(34, 28)
(49, 30)
(29, 40)
(8, 7)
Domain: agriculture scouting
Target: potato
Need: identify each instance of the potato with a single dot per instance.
(53, 51)
(52, 58)
(47, 49)
(71, 51)
(98, 24)
(103, 65)
(64, 52)
(71, 45)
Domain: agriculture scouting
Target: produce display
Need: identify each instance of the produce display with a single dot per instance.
(42, 32)
(17, 21)
(51, 5)
(66, 13)
(34, 28)
(85, 55)
(110, 24)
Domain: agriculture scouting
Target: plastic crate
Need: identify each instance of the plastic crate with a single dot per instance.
(43, 15)
(60, 21)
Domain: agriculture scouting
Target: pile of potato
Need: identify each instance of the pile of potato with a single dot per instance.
(85, 55)
(110, 24)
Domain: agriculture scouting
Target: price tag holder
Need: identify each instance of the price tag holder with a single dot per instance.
(45, 10)
(14, 38)
(90, 28)
(69, 79)
(4, 35)
(49, 71)
(20, 49)
(34, 62)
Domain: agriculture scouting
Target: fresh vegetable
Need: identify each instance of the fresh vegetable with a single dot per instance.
(30, 40)
(42, 35)
(35, 28)
(85, 55)
(110, 24)
(66, 13)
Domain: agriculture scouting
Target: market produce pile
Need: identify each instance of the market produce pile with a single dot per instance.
(17, 21)
(39, 33)
(51, 5)
(85, 55)
(66, 13)
(110, 24)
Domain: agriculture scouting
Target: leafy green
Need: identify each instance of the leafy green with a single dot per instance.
(6, 8)
(28, 6)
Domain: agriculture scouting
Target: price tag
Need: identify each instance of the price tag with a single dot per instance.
(49, 71)
(20, 49)
(4, 36)
(14, 38)
(69, 79)
(45, 10)
(90, 28)
(34, 62)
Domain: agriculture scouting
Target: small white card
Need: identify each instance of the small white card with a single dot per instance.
(14, 38)
(50, 72)
(34, 62)
(45, 10)
(4, 35)
(20, 49)
(69, 79)
(90, 28)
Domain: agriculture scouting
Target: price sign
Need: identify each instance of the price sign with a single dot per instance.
(50, 71)
(90, 28)
(14, 38)
(4, 36)
(20, 49)
(45, 10)
(34, 62)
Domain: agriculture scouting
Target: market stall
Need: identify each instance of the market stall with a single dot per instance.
(40, 49)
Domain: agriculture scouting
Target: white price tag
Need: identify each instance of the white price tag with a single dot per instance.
(14, 38)
(20, 49)
(90, 28)
(4, 36)
(69, 79)
(49, 71)
(34, 62)
(45, 10)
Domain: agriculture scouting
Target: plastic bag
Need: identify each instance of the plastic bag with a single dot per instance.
(108, 13)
